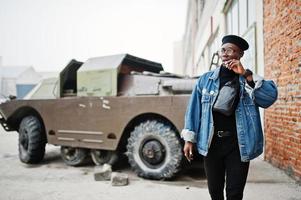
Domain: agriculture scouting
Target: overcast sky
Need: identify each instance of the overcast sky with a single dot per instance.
(47, 34)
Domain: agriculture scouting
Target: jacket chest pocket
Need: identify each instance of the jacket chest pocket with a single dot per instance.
(207, 102)
(208, 98)
(205, 99)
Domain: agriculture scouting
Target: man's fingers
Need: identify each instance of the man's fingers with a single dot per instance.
(232, 63)
(186, 156)
(188, 152)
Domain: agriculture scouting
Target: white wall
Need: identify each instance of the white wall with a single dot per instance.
(178, 64)
(9, 86)
(211, 28)
(30, 76)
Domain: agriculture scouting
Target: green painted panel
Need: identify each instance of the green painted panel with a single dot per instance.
(97, 83)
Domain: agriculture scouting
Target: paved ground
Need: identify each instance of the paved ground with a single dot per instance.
(52, 179)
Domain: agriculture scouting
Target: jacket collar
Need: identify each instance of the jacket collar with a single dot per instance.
(215, 74)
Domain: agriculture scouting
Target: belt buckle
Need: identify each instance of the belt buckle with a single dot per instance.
(219, 133)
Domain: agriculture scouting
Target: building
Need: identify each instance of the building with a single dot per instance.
(178, 58)
(208, 21)
(282, 58)
(273, 30)
(17, 80)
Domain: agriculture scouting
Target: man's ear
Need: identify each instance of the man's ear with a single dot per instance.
(241, 54)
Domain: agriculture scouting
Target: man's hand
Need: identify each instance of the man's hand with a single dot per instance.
(188, 149)
(236, 66)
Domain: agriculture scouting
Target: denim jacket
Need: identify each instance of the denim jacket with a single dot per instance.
(199, 126)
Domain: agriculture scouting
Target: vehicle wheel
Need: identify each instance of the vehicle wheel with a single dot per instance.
(101, 157)
(73, 156)
(154, 151)
(31, 140)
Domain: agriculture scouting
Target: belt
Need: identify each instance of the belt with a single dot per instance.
(224, 133)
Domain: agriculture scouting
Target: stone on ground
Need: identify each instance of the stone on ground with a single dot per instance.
(103, 172)
(119, 179)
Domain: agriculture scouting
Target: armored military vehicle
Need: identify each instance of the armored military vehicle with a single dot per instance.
(105, 107)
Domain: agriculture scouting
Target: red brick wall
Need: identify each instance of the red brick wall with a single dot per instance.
(282, 52)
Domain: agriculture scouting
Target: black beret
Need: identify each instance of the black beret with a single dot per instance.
(238, 41)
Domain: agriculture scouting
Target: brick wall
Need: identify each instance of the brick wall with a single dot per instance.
(282, 52)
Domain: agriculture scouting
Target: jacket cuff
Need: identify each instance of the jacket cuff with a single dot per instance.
(258, 83)
(188, 135)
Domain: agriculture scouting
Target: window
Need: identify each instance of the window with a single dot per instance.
(213, 46)
(251, 12)
(229, 21)
(243, 18)
(235, 18)
(200, 4)
(240, 16)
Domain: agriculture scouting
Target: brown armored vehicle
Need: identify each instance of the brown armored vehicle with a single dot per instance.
(105, 107)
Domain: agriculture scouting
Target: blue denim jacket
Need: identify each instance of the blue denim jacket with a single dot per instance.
(199, 126)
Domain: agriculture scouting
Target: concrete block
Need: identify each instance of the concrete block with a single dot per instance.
(103, 172)
(119, 179)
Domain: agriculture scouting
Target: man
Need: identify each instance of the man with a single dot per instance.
(227, 142)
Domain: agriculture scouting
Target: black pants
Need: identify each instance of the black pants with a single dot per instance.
(223, 161)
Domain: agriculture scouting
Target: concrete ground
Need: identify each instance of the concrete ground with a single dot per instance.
(52, 179)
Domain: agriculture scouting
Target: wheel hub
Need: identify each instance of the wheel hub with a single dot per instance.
(69, 152)
(153, 152)
(24, 139)
(101, 157)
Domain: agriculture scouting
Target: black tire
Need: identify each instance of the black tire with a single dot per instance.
(101, 157)
(31, 140)
(74, 156)
(154, 151)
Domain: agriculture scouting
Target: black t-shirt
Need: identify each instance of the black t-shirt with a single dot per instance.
(223, 122)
